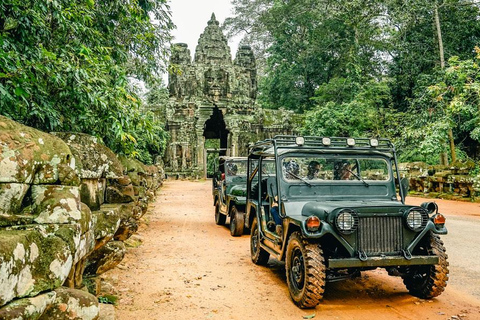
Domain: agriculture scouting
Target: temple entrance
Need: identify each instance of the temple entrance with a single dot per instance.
(216, 140)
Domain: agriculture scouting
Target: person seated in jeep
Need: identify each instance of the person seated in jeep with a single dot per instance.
(232, 169)
(291, 169)
(313, 170)
(343, 170)
(276, 217)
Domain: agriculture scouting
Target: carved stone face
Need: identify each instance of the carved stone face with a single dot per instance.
(216, 83)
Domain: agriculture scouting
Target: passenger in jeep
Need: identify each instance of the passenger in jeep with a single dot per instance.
(276, 217)
(313, 170)
(232, 169)
(343, 171)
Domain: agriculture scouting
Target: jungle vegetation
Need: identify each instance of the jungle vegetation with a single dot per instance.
(68, 65)
(407, 70)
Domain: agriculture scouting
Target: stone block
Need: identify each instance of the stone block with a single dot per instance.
(105, 258)
(125, 210)
(92, 192)
(56, 204)
(94, 160)
(28, 308)
(11, 197)
(120, 194)
(31, 261)
(25, 151)
(106, 221)
(72, 304)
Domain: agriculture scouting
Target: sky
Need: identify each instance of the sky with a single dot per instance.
(191, 17)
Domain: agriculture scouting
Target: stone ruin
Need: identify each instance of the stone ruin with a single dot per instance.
(67, 204)
(454, 181)
(213, 98)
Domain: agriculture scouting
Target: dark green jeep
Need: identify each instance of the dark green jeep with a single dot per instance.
(338, 214)
(229, 192)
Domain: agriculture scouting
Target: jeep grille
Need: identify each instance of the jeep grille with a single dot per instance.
(379, 235)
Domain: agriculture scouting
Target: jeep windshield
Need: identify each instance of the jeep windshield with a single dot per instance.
(337, 176)
(236, 168)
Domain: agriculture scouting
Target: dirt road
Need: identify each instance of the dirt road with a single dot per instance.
(186, 267)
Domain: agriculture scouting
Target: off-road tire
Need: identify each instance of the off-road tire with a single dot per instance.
(237, 221)
(306, 271)
(428, 281)
(258, 254)
(219, 217)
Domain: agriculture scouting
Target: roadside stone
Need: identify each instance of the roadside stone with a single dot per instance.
(105, 258)
(120, 194)
(28, 154)
(72, 304)
(11, 197)
(94, 159)
(31, 262)
(28, 308)
(56, 204)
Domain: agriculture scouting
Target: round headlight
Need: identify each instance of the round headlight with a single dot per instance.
(416, 219)
(347, 221)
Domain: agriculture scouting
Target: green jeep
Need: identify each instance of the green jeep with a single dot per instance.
(339, 214)
(230, 191)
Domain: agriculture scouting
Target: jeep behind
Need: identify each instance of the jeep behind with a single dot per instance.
(229, 192)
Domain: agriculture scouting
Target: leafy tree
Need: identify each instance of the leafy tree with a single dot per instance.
(313, 42)
(248, 22)
(65, 64)
(414, 39)
(447, 100)
(361, 111)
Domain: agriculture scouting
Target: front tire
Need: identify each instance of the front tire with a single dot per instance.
(306, 272)
(237, 221)
(428, 281)
(258, 254)
(219, 217)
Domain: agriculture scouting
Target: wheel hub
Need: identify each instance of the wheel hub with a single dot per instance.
(297, 269)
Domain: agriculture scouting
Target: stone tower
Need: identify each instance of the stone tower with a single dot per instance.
(212, 108)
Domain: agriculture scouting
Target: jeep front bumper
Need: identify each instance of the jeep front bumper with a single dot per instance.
(386, 261)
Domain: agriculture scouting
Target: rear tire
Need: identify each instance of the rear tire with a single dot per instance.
(237, 221)
(219, 217)
(428, 281)
(306, 272)
(258, 254)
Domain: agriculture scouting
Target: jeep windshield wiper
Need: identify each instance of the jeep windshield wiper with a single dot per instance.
(299, 178)
(358, 177)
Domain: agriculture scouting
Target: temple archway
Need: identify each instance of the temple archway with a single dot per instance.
(216, 139)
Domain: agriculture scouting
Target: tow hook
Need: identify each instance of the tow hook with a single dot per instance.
(407, 254)
(362, 256)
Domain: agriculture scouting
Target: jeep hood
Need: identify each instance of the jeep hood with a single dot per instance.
(239, 190)
(308, 208)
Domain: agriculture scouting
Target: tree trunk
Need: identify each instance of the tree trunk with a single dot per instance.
(439, 35)
(444, 158)
(452, 145)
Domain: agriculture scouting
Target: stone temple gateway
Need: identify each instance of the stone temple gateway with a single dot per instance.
(212, 108)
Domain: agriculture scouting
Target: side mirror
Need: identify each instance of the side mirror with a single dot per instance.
(404, 186)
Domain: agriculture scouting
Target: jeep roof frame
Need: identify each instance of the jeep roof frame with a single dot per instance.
(275, 145)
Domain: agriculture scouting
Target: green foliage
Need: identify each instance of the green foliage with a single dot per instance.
(446, 100)
(108, 299)
(314, 42)
(64, 66)
(212, 157)
(413, 41)
(349, 108)
(372, 68)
